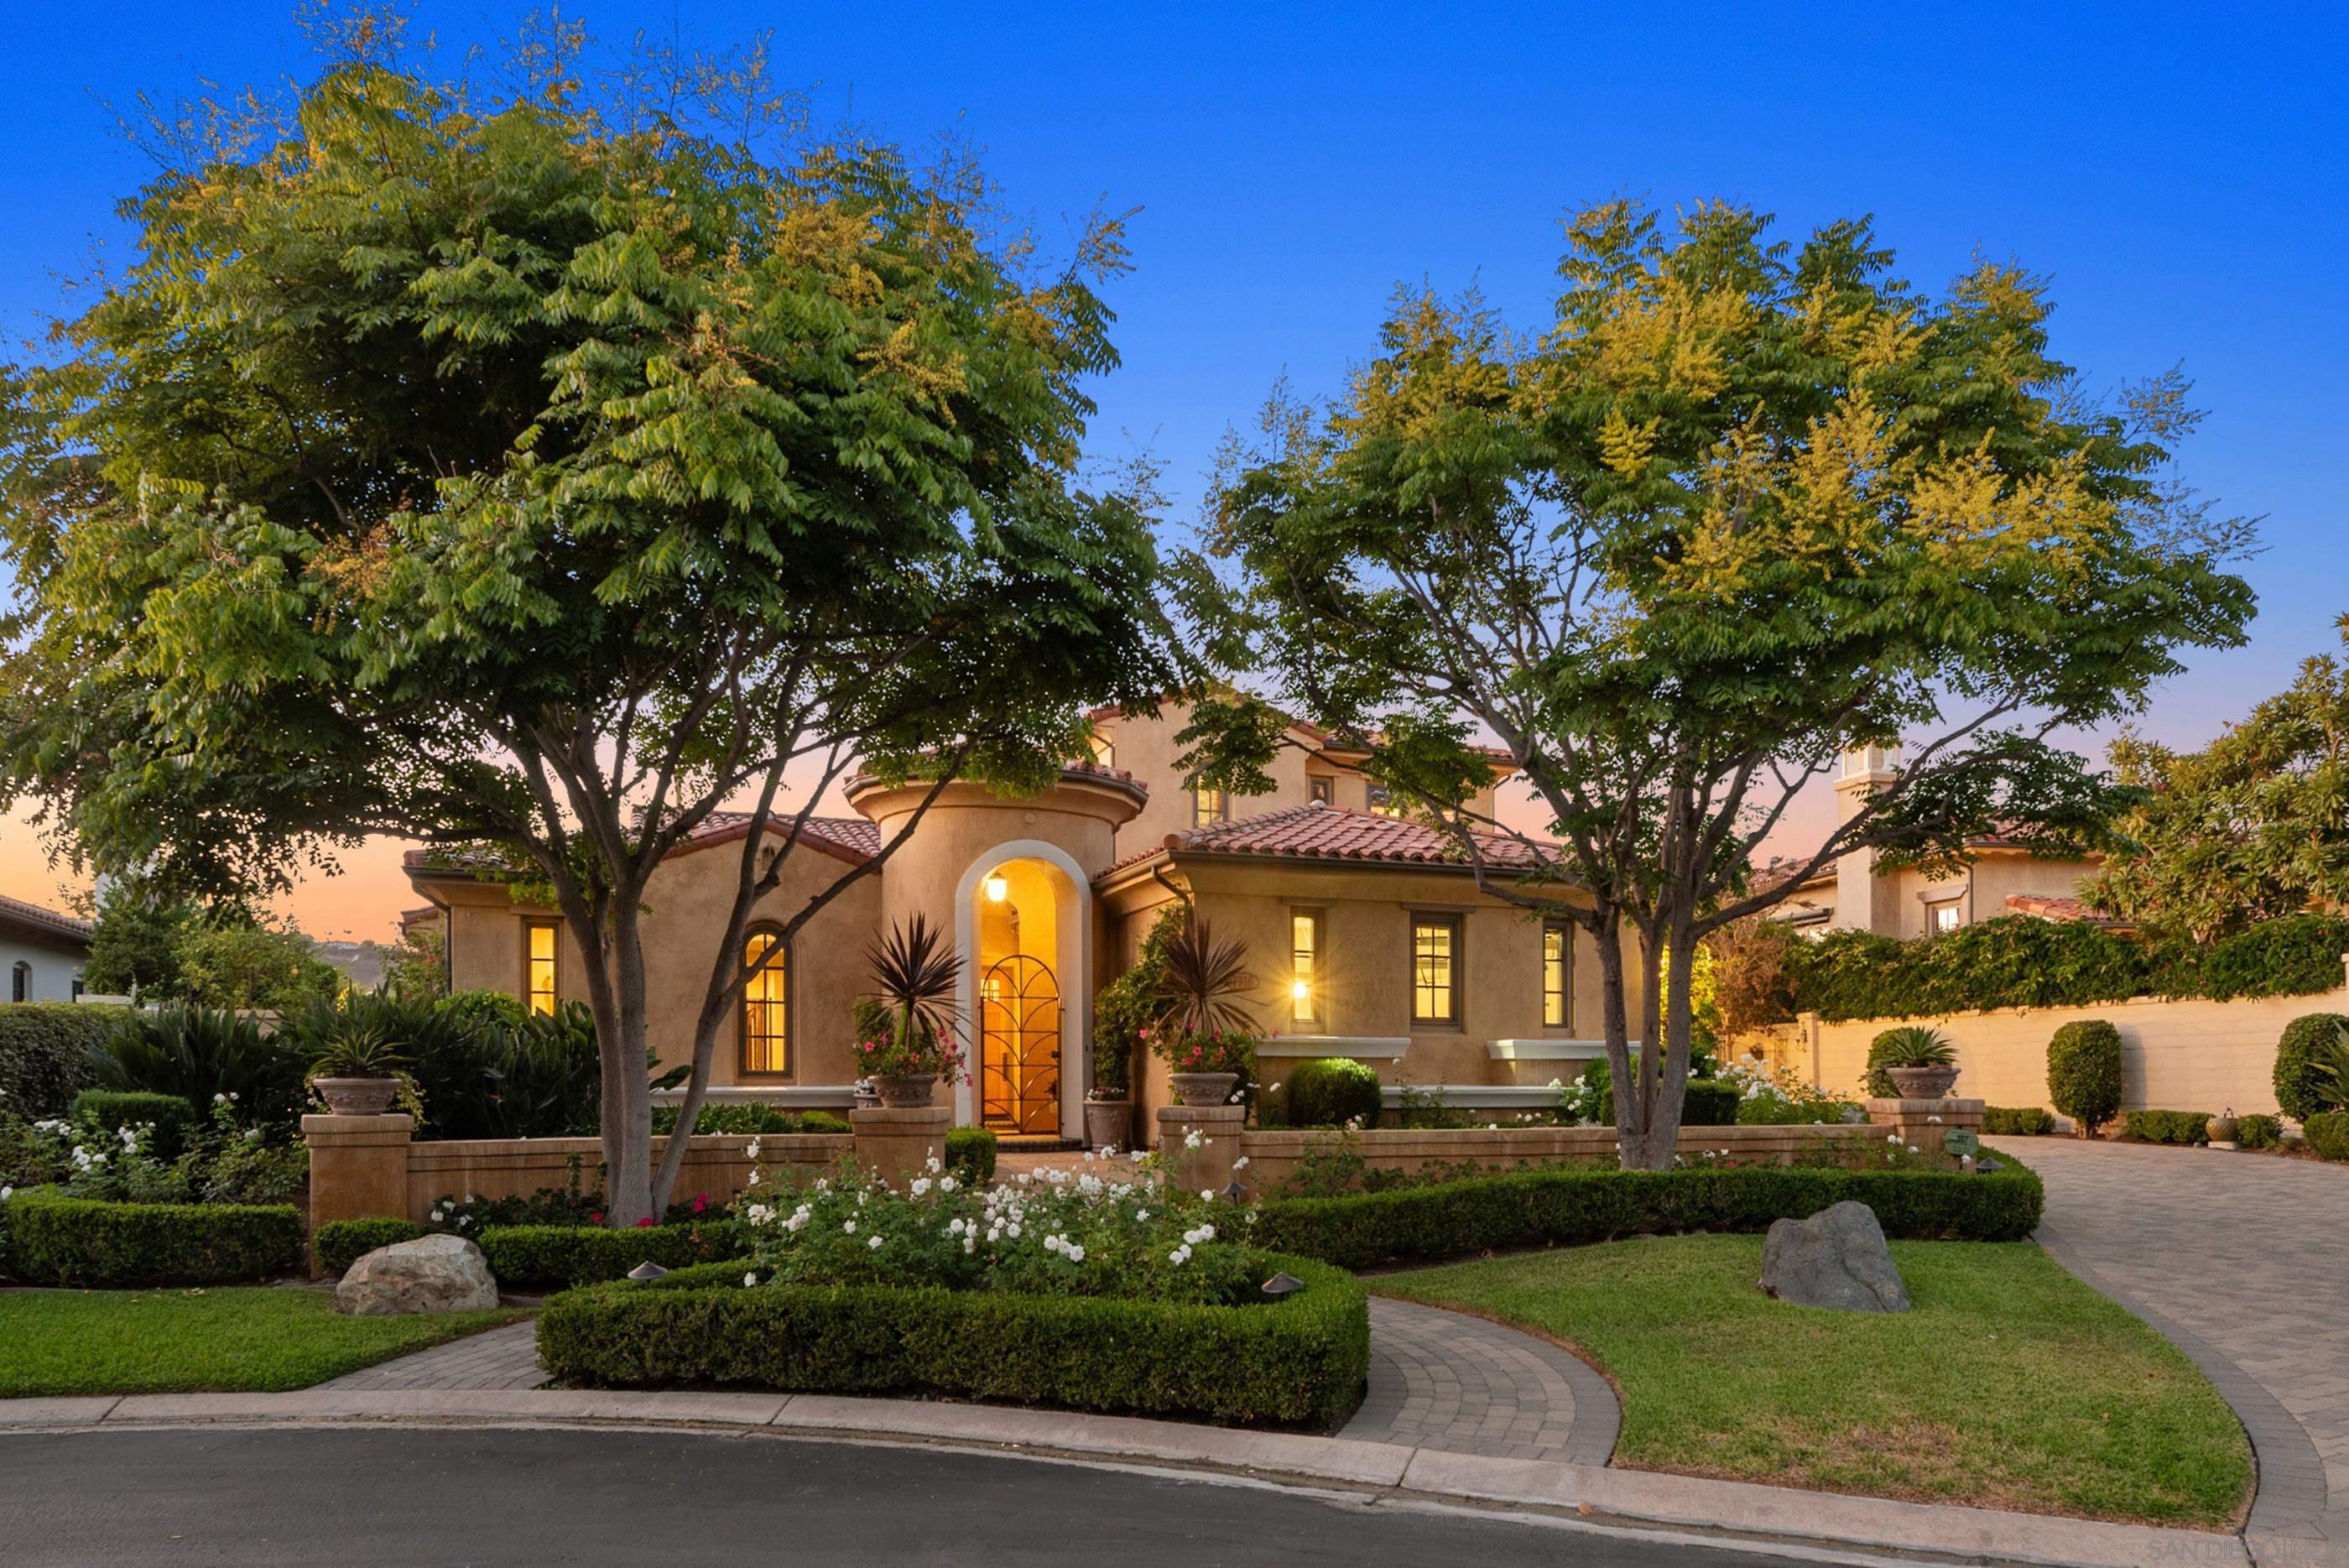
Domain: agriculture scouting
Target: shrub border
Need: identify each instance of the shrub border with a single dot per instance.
(85, 1242)
(556, 1257)
(1300, 1361)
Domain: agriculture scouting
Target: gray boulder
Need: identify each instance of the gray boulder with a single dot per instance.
(1836, 1259)
(432, 1273)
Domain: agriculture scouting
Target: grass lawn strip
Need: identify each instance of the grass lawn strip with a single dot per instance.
(219, 1340)
(2010, 1385)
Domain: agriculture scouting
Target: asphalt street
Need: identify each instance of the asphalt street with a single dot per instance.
(474, 1496)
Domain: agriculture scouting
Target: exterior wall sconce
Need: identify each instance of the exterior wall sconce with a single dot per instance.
(999, 888)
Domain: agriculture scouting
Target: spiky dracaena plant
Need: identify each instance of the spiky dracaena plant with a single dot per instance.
(1206, 983)
(914, 976)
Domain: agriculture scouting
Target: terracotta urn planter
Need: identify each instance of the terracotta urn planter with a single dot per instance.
(899, 1092)
(356, 1096)
(1203, 1088)
(1109, 1124)
(1922, 1082)
(2221, 1130)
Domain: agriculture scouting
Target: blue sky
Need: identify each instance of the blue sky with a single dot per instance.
(2178, 172)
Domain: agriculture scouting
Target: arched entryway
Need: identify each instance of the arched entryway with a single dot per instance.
(1023, 927)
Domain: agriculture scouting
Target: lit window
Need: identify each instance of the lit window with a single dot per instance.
(766, 1012)
(1304, 968)
(1945, 917)
(1319, 788)
(1434, 969)
(540, 991)
(1104, 752)
(1209, 807)
(1558, 949)
(1384, 802)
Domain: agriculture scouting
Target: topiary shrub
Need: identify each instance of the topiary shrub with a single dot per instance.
(2017, 1121)
(2258, 1131)
(2327, 1133)
(2302, 1087)
(1710, 1103)
(338, 1243)
(2083, 1071)
(970, 1153)
(2192, 1127)
(84, 1243)
(46, 1050)
(1330, 1091)
(171, 1116)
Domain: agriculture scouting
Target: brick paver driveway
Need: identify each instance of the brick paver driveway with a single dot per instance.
(2248, 1255)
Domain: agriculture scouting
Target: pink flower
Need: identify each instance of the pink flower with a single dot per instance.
(645, 1223)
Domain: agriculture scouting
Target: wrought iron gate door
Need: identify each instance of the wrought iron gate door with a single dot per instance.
(1019, 1046)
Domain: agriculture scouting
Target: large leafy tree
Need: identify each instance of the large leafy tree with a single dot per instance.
(1741, 505)
(539, 467)
(2253, 826)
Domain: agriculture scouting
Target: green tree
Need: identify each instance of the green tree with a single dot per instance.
(134, 942)
(2253, 827)
(1742, 505)
(537, 463)
(238, 964)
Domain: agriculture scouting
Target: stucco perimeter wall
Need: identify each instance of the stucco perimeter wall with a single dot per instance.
(1273, 1155)
(2176, 1054)
(715, 1165)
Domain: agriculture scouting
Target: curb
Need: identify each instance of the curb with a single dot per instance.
(1724, 1512)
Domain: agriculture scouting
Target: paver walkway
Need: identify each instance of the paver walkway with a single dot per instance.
(2242, 1255)
(1438, 1380)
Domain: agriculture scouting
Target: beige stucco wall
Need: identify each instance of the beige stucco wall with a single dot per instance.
(2186, 1055)
(1895, 905)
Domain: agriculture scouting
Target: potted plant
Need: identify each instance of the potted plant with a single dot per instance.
(1205, 1033)
(356, 1069)
(2221, 1129)
(1124, 1014)
(1921, 1062)
(905, 1030)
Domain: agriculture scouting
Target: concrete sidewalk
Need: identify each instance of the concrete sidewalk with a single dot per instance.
(1729, 1512)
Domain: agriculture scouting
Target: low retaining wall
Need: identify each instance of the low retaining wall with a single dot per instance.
(717, 1165)
(2179, 1054)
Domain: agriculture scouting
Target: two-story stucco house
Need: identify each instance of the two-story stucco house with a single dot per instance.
(1366, 930)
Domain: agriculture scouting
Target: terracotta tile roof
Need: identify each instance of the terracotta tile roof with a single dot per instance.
(41, 921)
(1322, 832)
(2047, 907)
(850, 838)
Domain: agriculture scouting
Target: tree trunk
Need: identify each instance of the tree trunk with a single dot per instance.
(628, 1175)
(1646, 1144)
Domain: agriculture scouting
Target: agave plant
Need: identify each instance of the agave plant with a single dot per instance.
(1914, 1045)
(2331, 1059)
(1204, 984)
(914, 976)
(360, 1035)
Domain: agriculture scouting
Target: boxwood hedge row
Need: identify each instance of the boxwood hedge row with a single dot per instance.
(1298, 1361)
(553, 1257)
(53, 1240)
(1565, 1207)
(339, 1243)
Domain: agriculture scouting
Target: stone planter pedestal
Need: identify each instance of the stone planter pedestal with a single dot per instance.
(1926, 1122)
(897, 1143)
(1209, 1167)
(358, 1166)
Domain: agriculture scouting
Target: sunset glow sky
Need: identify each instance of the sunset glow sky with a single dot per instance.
(2177, 171)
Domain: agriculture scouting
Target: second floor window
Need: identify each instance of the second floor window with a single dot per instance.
(1209, 807)
(539, 983)
(1436, 969)
(1319, 788)
(1945, 917)
(1557, 957)
(1385, 802)
(1304, 967)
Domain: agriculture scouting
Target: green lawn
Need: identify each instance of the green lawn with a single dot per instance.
(222, 1340)
(2009, 1384)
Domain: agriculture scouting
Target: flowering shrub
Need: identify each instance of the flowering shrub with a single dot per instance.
(1115, 1232)
(1218, 1051)
(1781, 1096)
(887, 1048)
(225, 1162)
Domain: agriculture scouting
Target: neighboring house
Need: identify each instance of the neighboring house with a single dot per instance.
(1365, 929)
(2005, 879)
(42, 952)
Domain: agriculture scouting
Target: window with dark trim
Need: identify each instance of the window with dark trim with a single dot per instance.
(1304, 966)
(1558, 975)
(542, 941)
(766, 1002)
(20, 982)
(1319, 789)
(1209, 807)
(1436, 969)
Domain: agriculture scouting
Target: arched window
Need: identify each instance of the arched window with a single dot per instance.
(766, 1003)
(20, 982)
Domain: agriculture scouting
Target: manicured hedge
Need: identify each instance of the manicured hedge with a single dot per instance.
(1553, 1208)
(2169, 1127)
(552, 1257)
(2083, 1071)
(1710, 1103)
(970, 1153)
(1330, 1091)
(1299, 1361)
(2024, 1121)
(172, 1115)
(339, 1243)
(2259, 1132)
(2327, 1133)
(59, 1241)
(2303, 1087)
(47, 1053)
